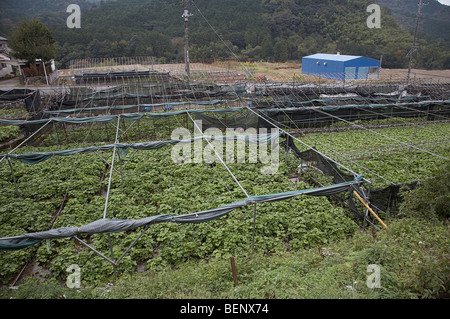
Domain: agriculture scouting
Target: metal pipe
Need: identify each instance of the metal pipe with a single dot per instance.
(94, 250)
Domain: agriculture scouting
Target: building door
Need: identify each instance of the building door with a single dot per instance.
(350, 73)
(363, 73)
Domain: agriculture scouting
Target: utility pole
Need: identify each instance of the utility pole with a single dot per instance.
(186, 16)
(414, 48)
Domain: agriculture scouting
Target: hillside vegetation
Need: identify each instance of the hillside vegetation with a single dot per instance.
(269, 30)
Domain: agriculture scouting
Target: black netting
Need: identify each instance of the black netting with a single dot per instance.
(327, 167)
(31, 99)
(243, 120)
(310, 117)
(388, 199)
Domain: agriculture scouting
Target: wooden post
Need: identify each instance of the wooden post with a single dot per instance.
(56, 134)
(65, 131)
(233, 270)
(13, 175)
(187, 122)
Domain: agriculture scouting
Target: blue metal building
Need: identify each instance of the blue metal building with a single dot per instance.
(342, 67)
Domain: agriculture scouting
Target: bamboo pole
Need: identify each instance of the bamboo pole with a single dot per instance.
(370, 209)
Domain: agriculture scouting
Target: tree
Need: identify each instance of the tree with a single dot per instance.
(280, 50)
(32, 40)
(267, 47)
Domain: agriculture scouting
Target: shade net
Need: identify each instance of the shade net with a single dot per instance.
(104, 226)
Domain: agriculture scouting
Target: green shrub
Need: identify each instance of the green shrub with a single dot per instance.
(431, 199)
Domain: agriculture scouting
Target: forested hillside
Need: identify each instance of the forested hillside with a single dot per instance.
(271, 30)
(435, 18)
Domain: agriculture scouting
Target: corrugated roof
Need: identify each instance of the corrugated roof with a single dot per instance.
(333, 57)
(3, 39)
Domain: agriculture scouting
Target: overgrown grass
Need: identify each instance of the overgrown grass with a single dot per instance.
(412, 254)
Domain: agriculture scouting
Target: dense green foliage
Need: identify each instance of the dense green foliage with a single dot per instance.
(413, 256)
(287, 261)
(153, 184)
(431, 200)
(271, 30)
(8, 133)
(433, 20)
(380, 156)
(32, 40)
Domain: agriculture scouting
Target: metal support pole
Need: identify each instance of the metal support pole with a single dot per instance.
(132, 244)
(366, 211)
(29, 138)
(108, 191)
(94, 250)
(112, 168)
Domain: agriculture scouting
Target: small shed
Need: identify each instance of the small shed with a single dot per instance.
(341, 67)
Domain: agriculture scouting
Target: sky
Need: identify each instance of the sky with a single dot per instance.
(446, 2)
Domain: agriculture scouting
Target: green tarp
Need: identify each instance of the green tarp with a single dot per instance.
(35, 158)
(125, 107)
(350, 98)
(137, 116)
(110, 118)
(105, 226)
(375, 106)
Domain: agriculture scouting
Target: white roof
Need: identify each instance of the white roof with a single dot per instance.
(333, 57)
